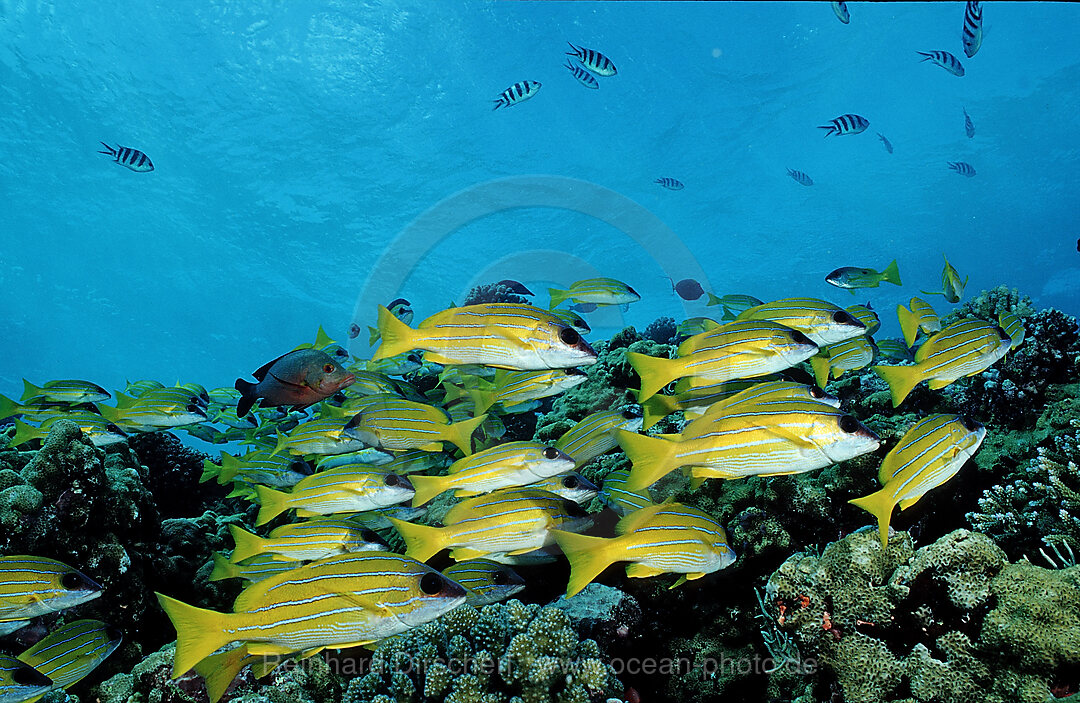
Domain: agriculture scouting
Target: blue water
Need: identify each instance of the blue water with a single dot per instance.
(313, 159)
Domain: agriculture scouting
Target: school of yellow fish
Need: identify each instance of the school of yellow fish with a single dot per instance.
(374, 450)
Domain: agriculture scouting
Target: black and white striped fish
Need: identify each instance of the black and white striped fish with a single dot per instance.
(944, 59)
(517, 93)
(885, 142)
(846, 124)
(962, 167)
(593, 60)
(129, 158)
(972, 28)
(969, 126)
(842, 14)
(670, 183)
(800, 177)
(584, 77)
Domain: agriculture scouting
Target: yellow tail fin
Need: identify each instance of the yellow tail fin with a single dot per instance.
(427, 487)
(422, 542)
(247, 544)
(271, 503)
(460, 433)
(588, 557)
(880, 505)
(198, 632)
(29, 390)
(397, 337)
(557, 296)
(901, 380)
(108, 412)
(891, 274)
(651, 456)
(219, 670)
(820, 365)
(908, 324)
(655, 373)
(25, 433)
(656, 409)
(8, 407)
(223, 569)
(230, 466)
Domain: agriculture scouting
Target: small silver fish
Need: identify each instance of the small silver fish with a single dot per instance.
(517, 93)
(962, 167)
(944, 59)
(800, 177)
(846, 124)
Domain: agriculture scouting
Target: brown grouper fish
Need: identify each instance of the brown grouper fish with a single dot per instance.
(299, 378)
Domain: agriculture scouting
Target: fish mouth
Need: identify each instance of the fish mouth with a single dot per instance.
(347, 381)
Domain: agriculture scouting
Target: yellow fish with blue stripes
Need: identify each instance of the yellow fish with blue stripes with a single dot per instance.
(100, 431)
(928, 455)
(21, 682)
(521, 391)
(919, 315)
(33, 586)
(821, 321)
(69, 653)
(660, 539)
(866, 315)
(305, 541)
(70, 391)
(952, 288)
(599, 291)
(346, 489)
(1014, 327)
(618, 497)
(964, 348)
(393, 423)
(594, 434)
(252, 569)
(485, 580)
(511, 336)
(572, 486)
(836, 359)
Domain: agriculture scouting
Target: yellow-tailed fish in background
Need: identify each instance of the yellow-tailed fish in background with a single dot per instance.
(734, 304)
(964, 348)
(894, 349)
(820, 320)
(346, 489)
(305, 541)
(511, 521)
(165, 398)
(771, 438)
(852, 277)
(599, 291)
(252, 569)
(836, 359)
(485, 580)
(928, 455)
(219, 670)
(615, 494)
(1014, 327)
(401, 309)
(318, 437)
(762, 393)
(147, 415)
(342, 601)
(299, 378)
(21, 682)
(71, 391)
(740, 349)
(100, 431)
(660, 539)
(226, 415)
(951, 287)
(866, 315)
(693, 395)
(388, 422)
(502, 466)
(520, 391)
(573, 319)
(277, 471)
(594, 434)
(696, 325)
(400, 463)
(33, 586)
(920, 316)
(399, 365)
(511, 336)
(69, 653)
(572, 486)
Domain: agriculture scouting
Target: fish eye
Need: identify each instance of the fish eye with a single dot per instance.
(431, 583)
(570, 481)
(631, 414)
(193, 408)
(632, 291)
(414, 358)
(499, 578)
(71, 581)
(370, 536)
(970, 424)
(551, 453)
(1004, 335)
(339, 397)
(800, 338)
(816, 392)
(849, 424)
(391, 480)
(27, 675)
(328, 368)
(112, 428)
(572, 509)
(569, 336)
(842, 318)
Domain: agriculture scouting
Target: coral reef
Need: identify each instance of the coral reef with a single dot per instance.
(662, 330)
(502, 652)
(493, 293)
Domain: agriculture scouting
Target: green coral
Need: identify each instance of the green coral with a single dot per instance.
(499, 653)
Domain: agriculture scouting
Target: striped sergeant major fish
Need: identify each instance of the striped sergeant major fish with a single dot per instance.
(583, 77)
(511, 336)
(918, 316)
(846, 124)
(305, 541)
(962, 167)
(510, 521)
(736, 350)
(64, 391)
(621, 499)
(128, 158)
(572, 486)
(502, 466)
(885, 142)
(969, 126)
(965, 348)
(820, 320)
(973, 32)
(772, 438)
(69, 653)
(944, 59)
(33, 586)
(343, 601)
(593, 60)
(346, 489)
(517, 93)
(670, 183)
(594, 434)
(660, 539)
(485, 580)
(1014, 327)
(800, 177)
(21, 682)
(928, 455)
(840, 9)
